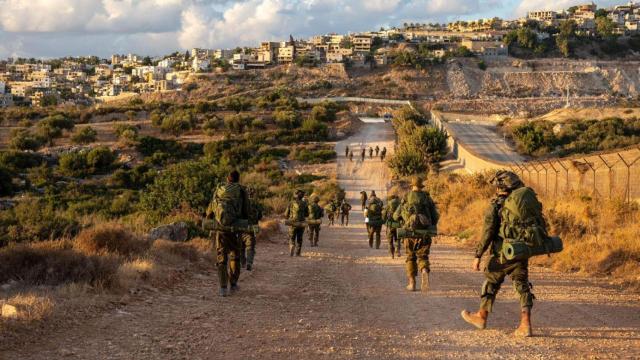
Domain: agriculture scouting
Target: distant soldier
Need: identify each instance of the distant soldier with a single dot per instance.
(331, 209)
(377, 150)
(249, 239)
(499, 225)
(417, 212)
(316, 213)
(363, 153)
(351, 156)
(345, 207)
(383, 154)
(392, 233)
(370, 152)
(374, 219)
(346, 151)
(228, 207)
(363, 199)
(296, 214)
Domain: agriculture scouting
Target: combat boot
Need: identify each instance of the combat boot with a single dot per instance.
(524, 330)
(478, 319)
(234, 288)
(298, 251)
(249, 267)
(291, 250)
(412, 284)
(424, 283)
(222, 292)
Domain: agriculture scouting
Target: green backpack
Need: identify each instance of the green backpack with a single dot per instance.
(375, 209)
(296, 210)
(521, 219)
(417, 214)
(226, 206)
(315, 212)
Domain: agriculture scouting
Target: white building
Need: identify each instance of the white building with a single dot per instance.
(200, 64)
(166, 63)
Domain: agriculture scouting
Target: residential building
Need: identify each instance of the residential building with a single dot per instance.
(200, 64)
(286, 54)
(21, 88)
(222, 54)
(166, 63)
(486, 48)
(361, 43)
(542, 16)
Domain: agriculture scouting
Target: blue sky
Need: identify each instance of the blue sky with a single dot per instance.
(52, 28)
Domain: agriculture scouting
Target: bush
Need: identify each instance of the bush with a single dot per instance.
(287, 119)
(85, 135)
(316, 128)
(73, 164)
(237, 123)
(6, 182)
(100, 159)
(18, 160)
(177, 123)
(313, 156)
(407, 161)
(23, 140)
(110, 238)
(127, 133)
(34, 220)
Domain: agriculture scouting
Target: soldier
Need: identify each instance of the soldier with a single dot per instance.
(351, 156)
(331, 209)
(346, 151)
(417, 211)
(296, 213)
(363, 154)
(383, 154)
(345, 207)
(496, 270)
(392, 234)
(377, 150)
(316, 213)
(374, 219)
(370, 152)
(229, 205)
(248, 251)
(363, 199)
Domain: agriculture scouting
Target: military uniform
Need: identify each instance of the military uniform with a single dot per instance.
(363, 199)
(315, 213)
(374, 225)
(344, 213)
(496, 270)
(297, 211)
(228, 244)
(392, 233)
(417, 249)
(249, 239)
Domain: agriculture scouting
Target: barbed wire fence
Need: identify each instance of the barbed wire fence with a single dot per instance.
(611, 175)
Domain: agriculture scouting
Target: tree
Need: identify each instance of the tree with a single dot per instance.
(605, 27)
(178, 122)
(100, 158)
(73, 164)
(567, 33)
(22, 139)
(287, 119)
(85, 135)
(6, 182)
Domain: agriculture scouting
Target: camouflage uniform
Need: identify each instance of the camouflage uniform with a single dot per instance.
(374, 226)
(228, 244)
(392, 233)
(344, 213)
(296, 233)
(315, 213)
(363, 199)
(249, 240)
(496, 270)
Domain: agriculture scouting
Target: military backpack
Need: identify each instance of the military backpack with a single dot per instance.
(315, 212)
(417, 209)
(226, 206)
(296, 210)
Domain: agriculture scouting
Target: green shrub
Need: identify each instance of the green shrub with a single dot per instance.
(23, 140)
(19, 160)
(100, 159)
(177, 123)
(287, 119)
(34, 220)
(407, 161)
(85, 135)
(316, 128)
(237, 123)
(73, 164)
(313, 156)
(6, 182)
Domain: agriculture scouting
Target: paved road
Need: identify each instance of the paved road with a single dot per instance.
(482, 139)
(354, 99)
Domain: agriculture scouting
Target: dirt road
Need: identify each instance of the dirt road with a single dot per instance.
(343, 300)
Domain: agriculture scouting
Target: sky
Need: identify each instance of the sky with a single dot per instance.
(55, 28)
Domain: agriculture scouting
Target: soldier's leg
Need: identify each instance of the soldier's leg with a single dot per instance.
(347, 223)
(292, 240)
(222, 261)
(317, 236)
(299, 238)
(520, 279)
(244, 249)
(391, 242)
(251, 250)
(378, 229)
(394, 233)
(310, 229)
(411, 261)
(370, 235)
(423, 247)
(494, 277)
(234, 258)
(342, 219)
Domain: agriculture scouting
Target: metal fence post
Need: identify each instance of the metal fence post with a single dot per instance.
(546, 178)
(593, 170)
(610, 167)
(555, 186)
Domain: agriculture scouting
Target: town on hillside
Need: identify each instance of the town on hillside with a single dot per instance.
(87, 80)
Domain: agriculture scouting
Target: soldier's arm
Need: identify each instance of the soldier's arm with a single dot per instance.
(287, 212)
(435, 216)
(489, 230)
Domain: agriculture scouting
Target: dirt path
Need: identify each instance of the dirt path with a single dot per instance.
(343, 300)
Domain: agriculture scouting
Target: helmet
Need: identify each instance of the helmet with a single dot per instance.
(373, 193)
(417, 182)
(299, 193)
(506, 180)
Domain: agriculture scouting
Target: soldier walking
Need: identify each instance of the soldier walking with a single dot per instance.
(296, 214)
(346, 151)
(249, 239)
(363, 154)
(497, 227)
(331, 209)
(351, 156)
(345, 207)
(374, 219)
(228, 207)
(392, 233)
(417, 212)
(370, 152)
(363, 199)
(316, 213)
(383, 154)
(377, 150)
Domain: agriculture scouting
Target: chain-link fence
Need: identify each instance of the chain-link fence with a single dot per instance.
(611, 175)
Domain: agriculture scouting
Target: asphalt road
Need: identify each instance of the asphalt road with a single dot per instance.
(483, 139)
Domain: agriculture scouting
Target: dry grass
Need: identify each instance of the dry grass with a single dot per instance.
(277, 204)
(110, 238)
(269, 230)
(600, 235)
(134, 272)
(169, 252)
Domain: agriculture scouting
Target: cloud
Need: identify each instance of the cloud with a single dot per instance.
(102, 27)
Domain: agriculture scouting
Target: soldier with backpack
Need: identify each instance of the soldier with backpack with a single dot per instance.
(249, 239)
(363, 199)
(296, 215)
(392, 233)
(383, 154)
(370, 152)
(514, 215)
(345, 207)
(374, 219)
(229, 209)
(331, 209)
(316, 213)
(377, 149)
(419, 216)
